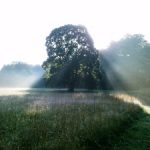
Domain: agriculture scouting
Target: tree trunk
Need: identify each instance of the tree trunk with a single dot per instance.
(72, 81)
(71, 87)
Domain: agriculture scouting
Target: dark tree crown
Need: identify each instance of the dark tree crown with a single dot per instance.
(71, 56)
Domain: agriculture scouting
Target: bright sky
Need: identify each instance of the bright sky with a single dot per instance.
(24, 24)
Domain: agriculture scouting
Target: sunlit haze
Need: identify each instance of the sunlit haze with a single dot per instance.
(24, 24)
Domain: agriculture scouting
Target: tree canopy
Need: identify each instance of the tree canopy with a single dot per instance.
(72, 59)
(126, 62)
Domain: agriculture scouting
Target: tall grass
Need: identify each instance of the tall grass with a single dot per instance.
(47, 121)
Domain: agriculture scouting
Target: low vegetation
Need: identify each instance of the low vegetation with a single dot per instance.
(137, 137)
(60, 120)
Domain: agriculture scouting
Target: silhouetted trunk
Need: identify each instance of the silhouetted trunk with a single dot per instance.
(71, 88)
(72, 81)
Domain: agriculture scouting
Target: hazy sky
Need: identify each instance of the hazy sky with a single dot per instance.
(24, 24)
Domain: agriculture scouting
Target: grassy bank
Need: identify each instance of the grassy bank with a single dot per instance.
(45, 121)
(137, 137)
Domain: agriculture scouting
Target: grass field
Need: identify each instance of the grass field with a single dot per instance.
(47, 120)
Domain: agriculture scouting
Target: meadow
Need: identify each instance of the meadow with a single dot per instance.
(58, 120)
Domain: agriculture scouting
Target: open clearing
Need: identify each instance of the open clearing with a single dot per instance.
(46, 119)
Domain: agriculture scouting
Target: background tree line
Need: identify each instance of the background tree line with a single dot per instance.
(74, 62)
(127, 63)
(20, 74)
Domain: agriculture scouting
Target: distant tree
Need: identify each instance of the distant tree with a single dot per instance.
(72, 59)
(129, 45)
(20, 74)
(126, 62)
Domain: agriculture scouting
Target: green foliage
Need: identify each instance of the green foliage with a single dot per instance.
(72, 59)
(126, 63)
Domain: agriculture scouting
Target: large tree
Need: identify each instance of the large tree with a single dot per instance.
(72, 59)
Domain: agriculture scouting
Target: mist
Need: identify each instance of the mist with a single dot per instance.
(21, 75)
(126, 63)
